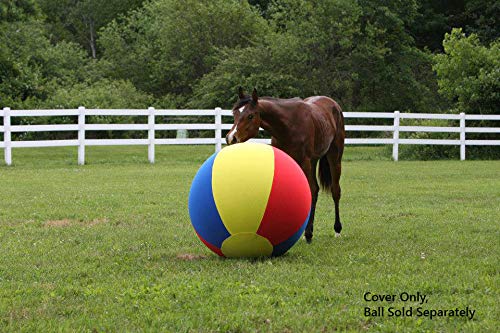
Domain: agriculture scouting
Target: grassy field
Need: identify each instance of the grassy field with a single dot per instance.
(109, 247)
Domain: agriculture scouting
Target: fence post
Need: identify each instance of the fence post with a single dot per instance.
(218, 129)
(81, 135)
(395, 137)
(462, 136)
(7, 140)
(151, 134)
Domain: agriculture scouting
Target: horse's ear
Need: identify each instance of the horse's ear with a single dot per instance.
(255, 98)
(241, 93)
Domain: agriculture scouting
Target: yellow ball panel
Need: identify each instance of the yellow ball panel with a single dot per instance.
(246, 245)
(242, 177)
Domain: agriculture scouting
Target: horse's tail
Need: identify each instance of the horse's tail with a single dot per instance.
(324, 171)
(325, 176)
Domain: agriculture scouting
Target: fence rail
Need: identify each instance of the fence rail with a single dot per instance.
(218, 126)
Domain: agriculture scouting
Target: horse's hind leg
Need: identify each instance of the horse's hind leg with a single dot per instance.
(310, 171)
(334, 156)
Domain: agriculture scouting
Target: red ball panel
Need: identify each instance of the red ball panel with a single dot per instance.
(289, 202)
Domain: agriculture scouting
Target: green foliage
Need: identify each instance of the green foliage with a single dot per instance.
(482, 19)
(303, 55)
(80, 20)
(65, 63)
(18, 10)
(435, 18)
(357, 53)
(468, 76)
(167, 46)
(254, 66)
(103, 94)
(391, 73)
(19, 72)
(262, 5)
(431, 23)
(31, 68)
(468, 73)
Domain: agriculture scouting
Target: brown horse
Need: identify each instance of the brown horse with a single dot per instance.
(308, 130)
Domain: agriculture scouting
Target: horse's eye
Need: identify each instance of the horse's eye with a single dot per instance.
(250, 117)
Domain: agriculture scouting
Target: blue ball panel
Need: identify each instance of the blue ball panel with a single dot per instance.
(284, 246)
(202, 210)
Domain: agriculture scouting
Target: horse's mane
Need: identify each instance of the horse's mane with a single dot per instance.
(242, 101)
(280, 101)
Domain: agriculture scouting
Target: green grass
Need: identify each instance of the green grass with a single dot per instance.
(102, 247)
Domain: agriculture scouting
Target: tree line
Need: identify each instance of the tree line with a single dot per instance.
(370, 55)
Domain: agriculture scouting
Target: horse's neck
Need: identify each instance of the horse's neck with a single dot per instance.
(274, 120)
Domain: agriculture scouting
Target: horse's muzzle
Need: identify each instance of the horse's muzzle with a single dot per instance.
(231, 140)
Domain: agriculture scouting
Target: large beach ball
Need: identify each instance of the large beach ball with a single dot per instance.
(249, 200)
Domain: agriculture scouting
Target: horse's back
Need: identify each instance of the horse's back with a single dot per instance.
(326, 106)
(323, 102)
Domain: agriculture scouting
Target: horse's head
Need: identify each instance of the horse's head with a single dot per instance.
(246, 118)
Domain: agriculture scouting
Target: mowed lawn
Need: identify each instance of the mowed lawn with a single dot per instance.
(108, 247)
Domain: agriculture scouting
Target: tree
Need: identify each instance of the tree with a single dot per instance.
(468, 73)
(80, 20)
(469, 78)
(482, 19)
(358, 53)
(31, 68)
(391, 73)
(18, 10)
(435, 18)
(167, 46)
(33, 71)
(102, 94)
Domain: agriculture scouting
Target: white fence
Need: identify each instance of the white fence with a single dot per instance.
(218, 125)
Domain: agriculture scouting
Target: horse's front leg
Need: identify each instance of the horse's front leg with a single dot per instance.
(309, 168)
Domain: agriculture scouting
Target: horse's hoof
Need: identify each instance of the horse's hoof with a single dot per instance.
(309, 240)
(337, 234)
